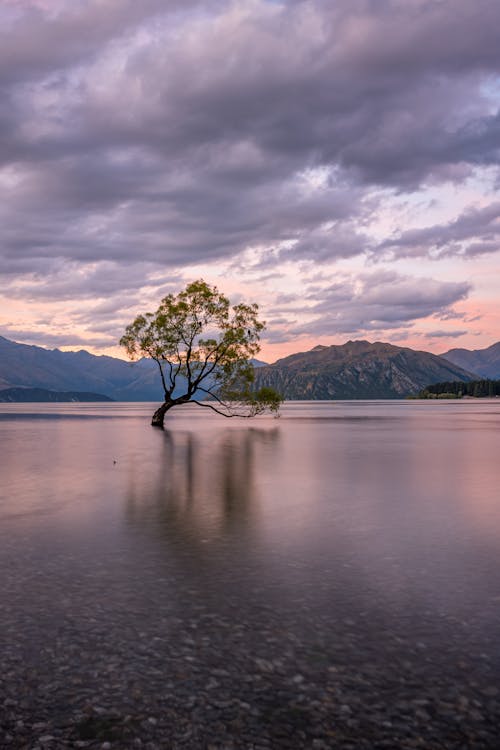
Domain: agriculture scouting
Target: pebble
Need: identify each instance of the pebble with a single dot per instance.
(152, 666)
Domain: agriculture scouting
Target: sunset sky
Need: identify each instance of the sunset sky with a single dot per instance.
(336, 161)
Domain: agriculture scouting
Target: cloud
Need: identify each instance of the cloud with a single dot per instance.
(444, 334)
(371, 302)
(104, 280)
(42, 38)
(141, 139)
(50, 339)
(324, 244)
(475, 232)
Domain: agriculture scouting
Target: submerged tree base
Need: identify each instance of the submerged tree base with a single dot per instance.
(159, 415)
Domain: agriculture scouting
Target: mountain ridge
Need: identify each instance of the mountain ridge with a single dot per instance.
(486, 362)
(356, 369)
(31, 366)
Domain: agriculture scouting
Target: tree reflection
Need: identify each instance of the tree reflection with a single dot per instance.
(201, 491)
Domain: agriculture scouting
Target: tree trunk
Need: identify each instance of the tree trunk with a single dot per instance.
(159, 414)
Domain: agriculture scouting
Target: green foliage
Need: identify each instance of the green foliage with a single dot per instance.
(203, 347)
(269, 398)
(476, 388)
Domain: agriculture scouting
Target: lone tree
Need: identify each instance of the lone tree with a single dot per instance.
(203, 348)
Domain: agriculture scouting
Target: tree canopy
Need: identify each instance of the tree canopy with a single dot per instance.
(203, 347)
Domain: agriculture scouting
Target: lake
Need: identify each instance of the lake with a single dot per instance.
(327, 579)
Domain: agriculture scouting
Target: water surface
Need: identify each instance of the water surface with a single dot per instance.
(332, 573)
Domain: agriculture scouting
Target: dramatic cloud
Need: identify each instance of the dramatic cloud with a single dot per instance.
(146, 142)
(377, 301)
(475, 232)
(71, 281)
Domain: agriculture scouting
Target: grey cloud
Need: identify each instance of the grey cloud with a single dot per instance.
(72, 281)
(124, 305)
(341, 240)
(454, 315)
(113, 329)
(445, 334)
(475, 232)
(116, 305)
(47, 338)
(377, 301)
(395, 336)
(37, 40)
(414, 295)
(161, 217)
(382, 106)
(176, 133)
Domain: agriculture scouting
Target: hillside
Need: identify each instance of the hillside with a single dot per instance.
(485, 362)
(357, 370)
(25, 366)
(33, 367)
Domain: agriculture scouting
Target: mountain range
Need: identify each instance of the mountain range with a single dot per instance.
(34, 367)
(27, 366)
(357, 369)
(484, 362)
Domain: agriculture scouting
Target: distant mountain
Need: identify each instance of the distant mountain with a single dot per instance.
(41, 395)
(357, 370)
(33, 367)
(485, 362)
(27, 366)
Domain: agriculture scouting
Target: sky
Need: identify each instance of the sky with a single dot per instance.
(335, 161)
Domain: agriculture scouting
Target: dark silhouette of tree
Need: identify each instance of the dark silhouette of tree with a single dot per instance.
(203, 347)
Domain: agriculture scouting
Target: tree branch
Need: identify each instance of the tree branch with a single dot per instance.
(223, 414)
(172, 382)
(209, 392)
(165, 389)
(218, 357)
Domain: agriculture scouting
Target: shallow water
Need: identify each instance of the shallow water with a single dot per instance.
(345, 535)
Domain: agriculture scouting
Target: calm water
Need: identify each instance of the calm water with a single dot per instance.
(348, 535)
